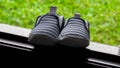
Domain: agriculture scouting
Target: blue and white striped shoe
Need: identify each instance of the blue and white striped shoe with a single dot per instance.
(46, 29)
(75, 33)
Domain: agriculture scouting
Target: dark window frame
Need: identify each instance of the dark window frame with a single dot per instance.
(11, 40)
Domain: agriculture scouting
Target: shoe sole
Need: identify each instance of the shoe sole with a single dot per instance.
(39, 39)
(74, 42)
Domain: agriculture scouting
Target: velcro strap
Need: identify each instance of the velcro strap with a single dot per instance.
(53, 10)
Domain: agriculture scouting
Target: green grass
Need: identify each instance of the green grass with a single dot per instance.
(103, 15)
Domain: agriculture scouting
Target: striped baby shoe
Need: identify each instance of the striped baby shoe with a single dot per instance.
(75, 33)
(46, 29)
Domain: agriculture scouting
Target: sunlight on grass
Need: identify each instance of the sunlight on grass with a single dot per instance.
(102, 15)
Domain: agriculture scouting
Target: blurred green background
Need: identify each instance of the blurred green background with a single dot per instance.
(103, 15)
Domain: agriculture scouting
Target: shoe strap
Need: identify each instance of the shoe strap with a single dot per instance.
(53, 13)
(77, 15)
(53, 10)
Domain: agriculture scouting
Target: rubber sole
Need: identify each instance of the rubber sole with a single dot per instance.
(39, 39)
(73, 42)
